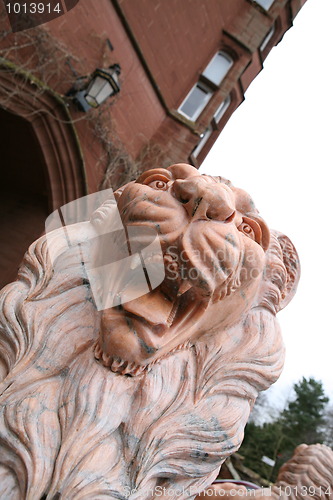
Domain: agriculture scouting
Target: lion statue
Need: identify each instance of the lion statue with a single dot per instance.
(151, 394)
(308, 474)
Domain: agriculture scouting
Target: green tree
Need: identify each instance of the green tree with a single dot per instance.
(328, 427)
(260, 440)
(302, 421)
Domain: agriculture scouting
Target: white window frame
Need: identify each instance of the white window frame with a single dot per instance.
(221, 109)
(198, 148)
(267, 38)
(265, 4)
(201, 105)
(218, 55)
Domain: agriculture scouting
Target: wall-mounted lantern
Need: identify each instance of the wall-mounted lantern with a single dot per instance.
(104, 83)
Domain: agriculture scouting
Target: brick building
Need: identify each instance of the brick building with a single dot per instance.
(185, 65)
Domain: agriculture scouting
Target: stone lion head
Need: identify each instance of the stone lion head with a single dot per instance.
(156, 391)
(214, 245)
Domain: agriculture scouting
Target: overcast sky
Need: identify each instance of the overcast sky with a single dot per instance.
(278, 147)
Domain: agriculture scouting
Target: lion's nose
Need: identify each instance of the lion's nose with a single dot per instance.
(205, 201)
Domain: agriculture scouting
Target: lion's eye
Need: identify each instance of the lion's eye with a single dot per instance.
(158, 184)
(157, 181)
(251, 228)
(247, 230)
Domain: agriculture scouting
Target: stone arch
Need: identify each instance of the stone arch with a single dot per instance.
(50, 120)
(42, 166)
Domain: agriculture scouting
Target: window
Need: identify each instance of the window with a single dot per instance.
(221, 109)
(195, 101)
(198, 148)
(218, 68)
(265, 4)
(200, 94)
(267, 38)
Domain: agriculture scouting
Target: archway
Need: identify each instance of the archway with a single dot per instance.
(23, 192)
(42, 167)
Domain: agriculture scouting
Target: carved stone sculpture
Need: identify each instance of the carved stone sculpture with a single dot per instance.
(154, 393)
(308, 474)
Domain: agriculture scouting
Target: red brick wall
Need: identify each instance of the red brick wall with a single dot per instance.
(162, 47)
(136, 112)
(178, 38)
(177, 41)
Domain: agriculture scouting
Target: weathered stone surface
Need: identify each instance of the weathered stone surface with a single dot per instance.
(308, 474)
(153, 393)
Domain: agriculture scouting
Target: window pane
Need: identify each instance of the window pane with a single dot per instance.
(96, 86)
(265, 4)
(202, 142)
(218, 68)
(222, 109)
(267, 38)
(104, 92)
(195, 101)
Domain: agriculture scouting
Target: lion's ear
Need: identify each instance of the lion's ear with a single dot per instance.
(293, 268)
(119, 192)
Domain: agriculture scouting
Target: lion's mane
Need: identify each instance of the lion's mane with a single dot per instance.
(308, 474)
(70, 428)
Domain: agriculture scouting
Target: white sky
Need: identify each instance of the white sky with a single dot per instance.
(278, 147)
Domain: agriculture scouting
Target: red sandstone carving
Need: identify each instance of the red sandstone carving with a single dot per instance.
(177, 371)
(308, 474)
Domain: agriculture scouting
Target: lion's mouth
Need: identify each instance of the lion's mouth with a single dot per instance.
(133, 369)
(136, 334)
(139, 332)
